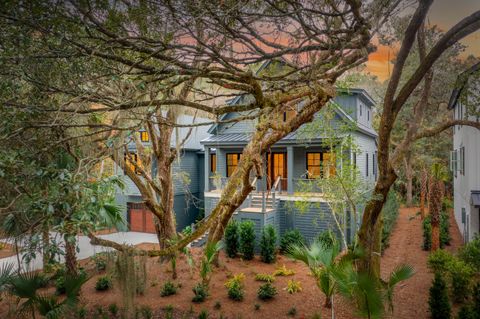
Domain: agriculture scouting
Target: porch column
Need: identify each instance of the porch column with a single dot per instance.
(207, 169)
(290, 169)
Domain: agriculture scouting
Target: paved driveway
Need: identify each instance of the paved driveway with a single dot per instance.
(85, 249)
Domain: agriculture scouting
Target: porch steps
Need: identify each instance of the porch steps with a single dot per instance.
(200, 241)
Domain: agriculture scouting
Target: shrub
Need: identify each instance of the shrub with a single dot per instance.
(43, 280)
(470, 253)
(444, 229)
(438, 302)
(256, 306)
(60, 285)
(290, 238)
(266, 291)
(146, 312)
(326, 238)
(466, 312)
(283, 271)
(235, 287)
(439, 261)
(168, 312)
(100, 260)
(203, 314)
(293, 286)
(103, 283)
(113, 309)
(268, 244)
(264, 277)
(247, 239)
(168, 289)
(217, 305)
(390, 215)
(427, 233)
(231, 239)
(461, 276)
(476, 299)
(292, 312)
(200, 291)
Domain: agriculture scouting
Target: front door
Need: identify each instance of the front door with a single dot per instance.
(277, 166)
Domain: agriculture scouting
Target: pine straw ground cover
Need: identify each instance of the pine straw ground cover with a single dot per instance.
(410, 297)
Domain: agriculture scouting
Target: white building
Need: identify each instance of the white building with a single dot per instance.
(465, 157)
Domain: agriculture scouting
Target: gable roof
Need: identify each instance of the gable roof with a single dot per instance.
(460, 84)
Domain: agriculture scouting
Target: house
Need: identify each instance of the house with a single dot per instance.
(464, 157)
(188, 175)
(290, 164)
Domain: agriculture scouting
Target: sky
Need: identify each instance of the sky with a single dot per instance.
(444, 14)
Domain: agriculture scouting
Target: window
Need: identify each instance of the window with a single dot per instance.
(462, 160)
(374, 164)
(366, 162)
(232, 163)
(321, 164)
(454, 162)
(368, 115)
(213, 163)
(313, 165)
(354, 160)
(144, 136)
(130, 160)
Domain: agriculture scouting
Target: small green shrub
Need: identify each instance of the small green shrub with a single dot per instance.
(466, 312)
(266, 291)
(290, 238)
(256, 306)
(200, 292)
(439, 261)
(103, 283)
(100, 260)
(203, 314)
(60, 285)
(247, 240)
(476, 299)
(82, 313)
(445, 237)
(231, 239)
(268, 244)
(461, 277)
(292, 312)
(168, 289)
(235, 287)
(470, 253)
(113, 309)
(43, 280)
(217, 305)
(390, 215)
(146, 312)
(438, 301)
(427, 233)
(168, 311)
(327, 238)
(264, 277)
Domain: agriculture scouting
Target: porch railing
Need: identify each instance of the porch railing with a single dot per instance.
(306, 185)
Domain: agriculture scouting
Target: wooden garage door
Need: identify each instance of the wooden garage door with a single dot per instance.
(140, 218)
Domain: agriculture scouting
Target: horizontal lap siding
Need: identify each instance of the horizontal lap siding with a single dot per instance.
(236, 127)
(188, 165)
(366, 144)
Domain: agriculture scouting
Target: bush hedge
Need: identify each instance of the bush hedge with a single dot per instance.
(438, 302)
(231, 239)
(390, 215)
(247, 240)
(268, 244)
(291, 237)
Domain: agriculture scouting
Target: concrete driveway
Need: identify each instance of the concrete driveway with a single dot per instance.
(85, 249)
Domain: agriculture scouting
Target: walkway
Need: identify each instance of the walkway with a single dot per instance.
(85, 249)
(411, 298)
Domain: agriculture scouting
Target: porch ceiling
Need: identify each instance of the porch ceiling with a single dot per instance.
(244, 138)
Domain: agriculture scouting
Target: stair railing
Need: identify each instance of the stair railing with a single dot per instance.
(274, 190)
(254, 185)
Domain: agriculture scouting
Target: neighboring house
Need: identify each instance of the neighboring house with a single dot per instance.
(291, 162)
(188, 176)
(464, 159)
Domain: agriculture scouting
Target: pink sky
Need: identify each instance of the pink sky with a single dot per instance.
(444, 14)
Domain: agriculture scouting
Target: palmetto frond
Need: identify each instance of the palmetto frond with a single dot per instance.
(6, 273)
(399, 274)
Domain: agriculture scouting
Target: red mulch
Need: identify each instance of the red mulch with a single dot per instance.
(7, 250)
(411, 298)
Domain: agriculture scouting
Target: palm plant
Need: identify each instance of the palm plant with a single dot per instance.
(437, 191)
(25, 287)
(323, 263)
(209, 254)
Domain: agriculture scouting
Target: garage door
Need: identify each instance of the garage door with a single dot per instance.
(140, 218)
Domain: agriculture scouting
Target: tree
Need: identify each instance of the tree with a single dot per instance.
(393, 102)
(121, 62)
(437, 191)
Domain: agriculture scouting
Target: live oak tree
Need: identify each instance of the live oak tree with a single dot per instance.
(146, 60)
(394, 100)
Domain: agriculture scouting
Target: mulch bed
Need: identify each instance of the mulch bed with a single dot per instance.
(7, 250)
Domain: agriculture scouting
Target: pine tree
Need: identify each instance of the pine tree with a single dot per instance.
(438, 302)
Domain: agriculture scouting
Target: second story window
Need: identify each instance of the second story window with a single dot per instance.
(321, 164)
(232, 163)
(144, 136)
(213, 163)
(366, 162)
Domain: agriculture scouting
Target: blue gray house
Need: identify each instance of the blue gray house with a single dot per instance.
(290, 164)
(188, 172)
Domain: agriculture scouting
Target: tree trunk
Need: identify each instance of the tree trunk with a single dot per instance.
(409, 178)
(423, 192)
(70, 255)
